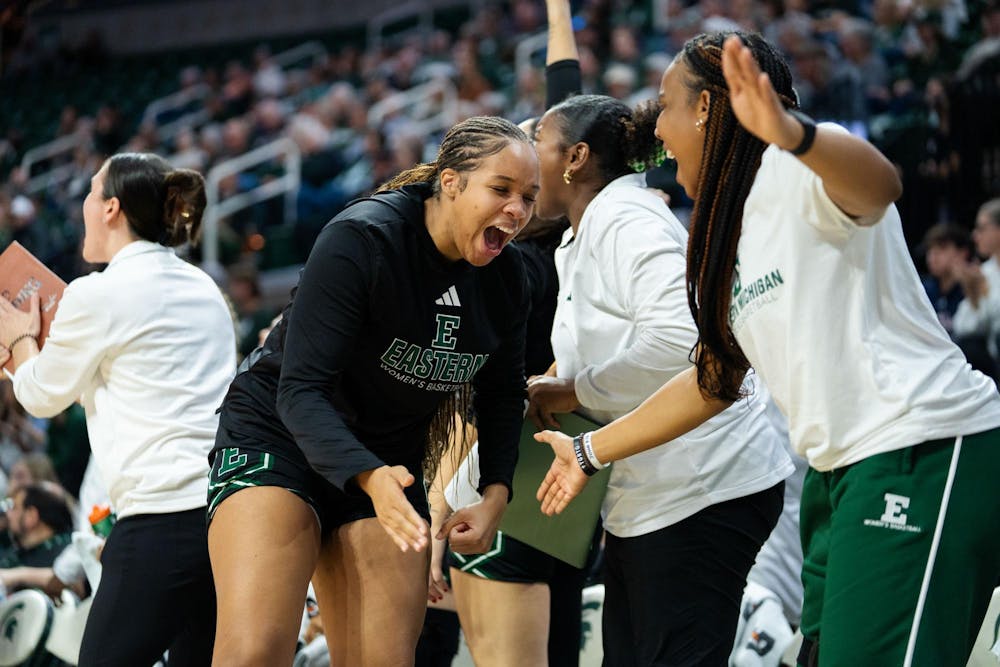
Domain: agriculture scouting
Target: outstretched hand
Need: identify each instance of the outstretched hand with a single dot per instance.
(754, 101)
(565, 479)
(392, 509)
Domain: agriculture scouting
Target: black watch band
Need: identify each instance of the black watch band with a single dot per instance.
(808, 132)
(581, 458)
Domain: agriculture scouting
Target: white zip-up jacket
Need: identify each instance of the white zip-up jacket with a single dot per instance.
(148, 348)
(622, 329)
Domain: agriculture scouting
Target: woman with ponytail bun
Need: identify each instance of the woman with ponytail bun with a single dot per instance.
(147, 347)
(797, 266)
(684, 521)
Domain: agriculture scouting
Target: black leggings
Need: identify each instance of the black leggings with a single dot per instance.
(156, 593)
(672, 597)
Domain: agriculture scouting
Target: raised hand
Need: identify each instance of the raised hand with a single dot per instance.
(753, 99)
(392, 509)
(565, 479)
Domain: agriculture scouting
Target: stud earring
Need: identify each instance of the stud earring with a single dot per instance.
(567, 176)
(700, 124)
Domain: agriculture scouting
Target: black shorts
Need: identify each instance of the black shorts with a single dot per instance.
(508, 560)
(240, 467)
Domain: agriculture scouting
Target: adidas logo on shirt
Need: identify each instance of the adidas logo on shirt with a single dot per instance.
(449, 298)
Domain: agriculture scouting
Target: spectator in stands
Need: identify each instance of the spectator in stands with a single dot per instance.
(32, 468)
(619, 81)
(857, 42)
(978, 315)
(947, 248)
(237, 91)
(269, 80)
(41, 524)
(68, 447)
(147, 346)
(252, 316)
(827, 90)
(27, 229)
(18, 433)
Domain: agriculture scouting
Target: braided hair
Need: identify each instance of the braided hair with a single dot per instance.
(463, 149)
(620, 138)
(729, 164)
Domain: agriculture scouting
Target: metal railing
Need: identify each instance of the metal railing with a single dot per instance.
(65, 144)
(313, 50)
(216, 208)
(175, 102)
(420, 10)
(431, 106)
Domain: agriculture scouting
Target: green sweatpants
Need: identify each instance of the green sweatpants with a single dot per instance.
(902, 553)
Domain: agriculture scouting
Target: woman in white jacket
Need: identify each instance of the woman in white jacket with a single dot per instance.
(685, 520)
(147, 346)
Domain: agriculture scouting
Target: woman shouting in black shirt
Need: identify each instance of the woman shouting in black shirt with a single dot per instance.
(406, 300)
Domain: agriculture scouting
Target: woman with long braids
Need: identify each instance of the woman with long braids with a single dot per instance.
(797, 266)
(683, 521)
(406, 299)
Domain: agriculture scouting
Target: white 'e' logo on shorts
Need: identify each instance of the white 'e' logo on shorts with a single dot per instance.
(893, 509)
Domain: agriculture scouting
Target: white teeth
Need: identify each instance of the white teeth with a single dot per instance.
(507, 230)
(670, 155)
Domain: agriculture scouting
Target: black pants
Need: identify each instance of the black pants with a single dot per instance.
(156, 593)
(672, 597)
(438, 644)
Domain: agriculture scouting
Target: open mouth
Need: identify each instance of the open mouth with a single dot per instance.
(497, 235)
(670, 154)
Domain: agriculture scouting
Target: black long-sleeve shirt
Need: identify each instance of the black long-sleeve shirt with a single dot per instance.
(381, 329)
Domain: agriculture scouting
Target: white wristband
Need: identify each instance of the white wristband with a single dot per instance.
(588, 449)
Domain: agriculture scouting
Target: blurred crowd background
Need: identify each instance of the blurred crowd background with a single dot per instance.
(290, 127)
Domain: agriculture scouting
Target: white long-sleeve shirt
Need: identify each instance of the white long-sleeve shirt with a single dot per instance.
(982, 319)
(622, 329)
(148, 348)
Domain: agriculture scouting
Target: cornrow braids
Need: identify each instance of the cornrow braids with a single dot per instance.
(620, 139)
(730, 160)
(463, 148)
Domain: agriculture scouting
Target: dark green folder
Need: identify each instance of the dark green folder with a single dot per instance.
(566, 536)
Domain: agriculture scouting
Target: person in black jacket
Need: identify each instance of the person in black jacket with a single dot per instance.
(328, 432)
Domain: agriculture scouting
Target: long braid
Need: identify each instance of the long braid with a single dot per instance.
(463, 148)
(730, 160)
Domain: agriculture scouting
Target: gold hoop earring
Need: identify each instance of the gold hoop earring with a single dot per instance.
(567, 176)
(700, 124)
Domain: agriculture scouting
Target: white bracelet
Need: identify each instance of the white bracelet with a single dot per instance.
(588, 449)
